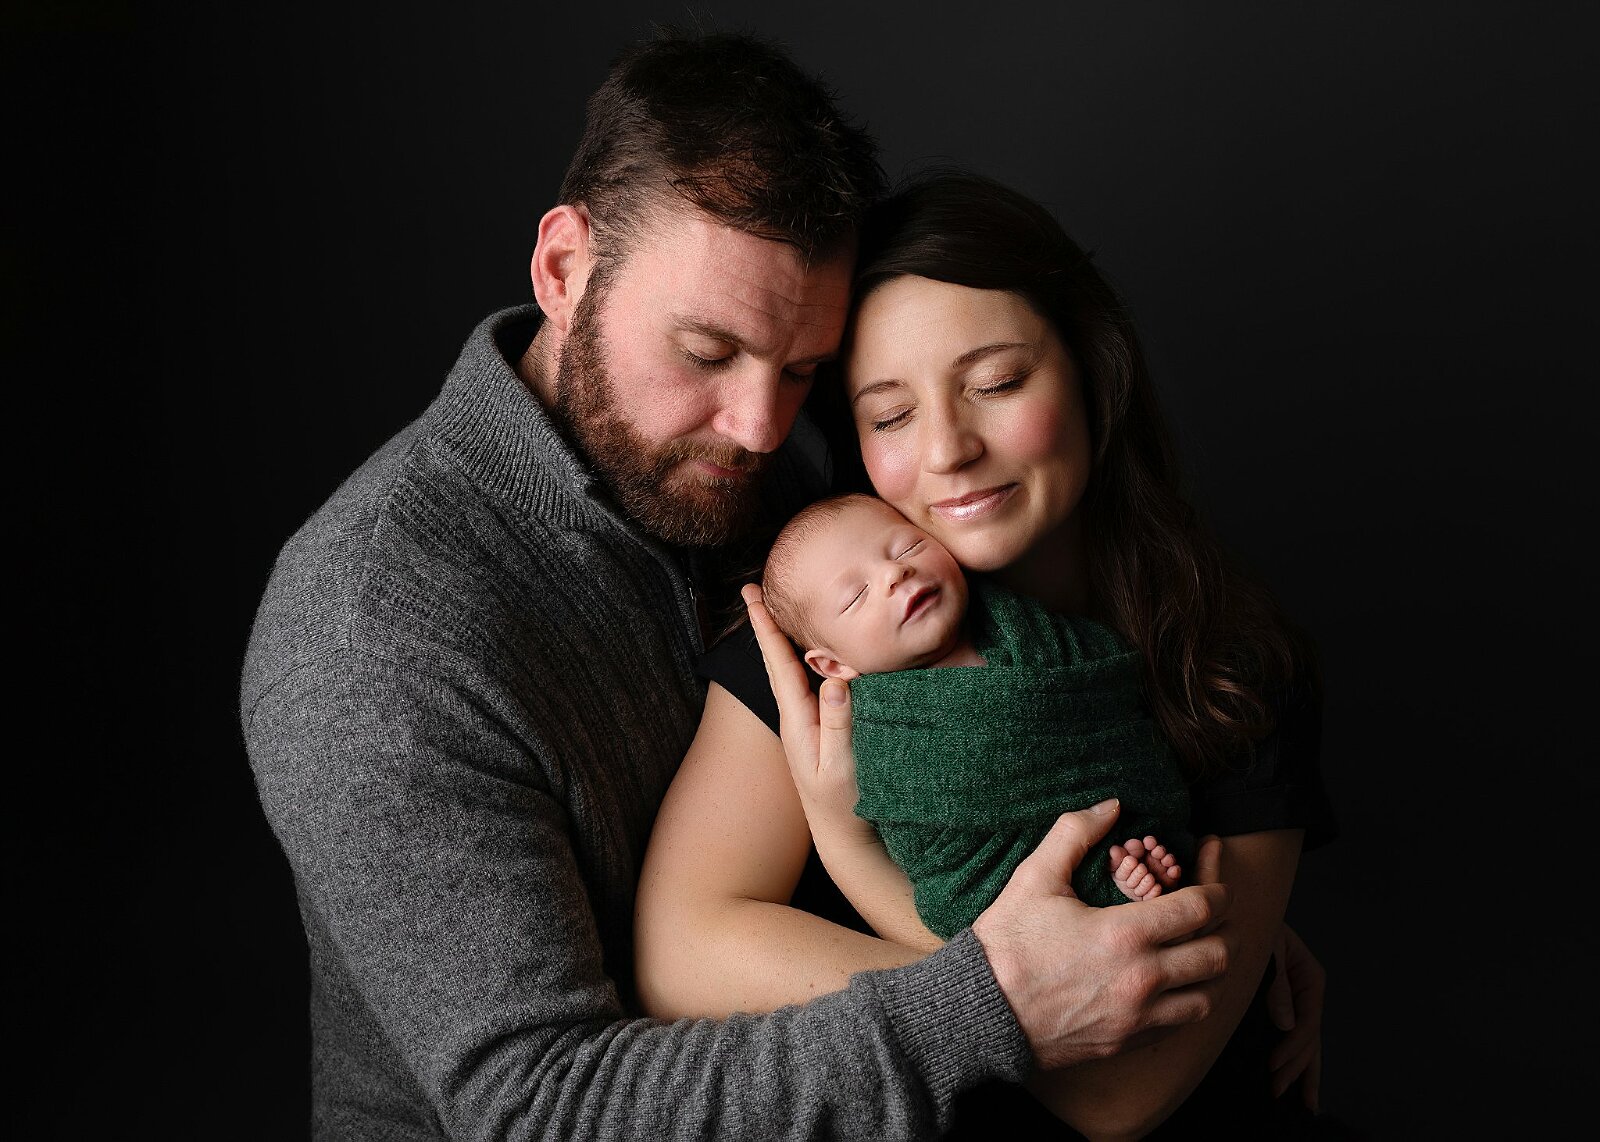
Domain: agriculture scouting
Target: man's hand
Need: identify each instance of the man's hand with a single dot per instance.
(1295, 1004)
(1083, 982)
(1086, 983)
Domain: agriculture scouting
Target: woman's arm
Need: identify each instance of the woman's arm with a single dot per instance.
(713, 932)
(849, 847)
(1131, 1094)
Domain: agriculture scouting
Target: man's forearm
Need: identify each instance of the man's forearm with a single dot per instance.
(450, 896)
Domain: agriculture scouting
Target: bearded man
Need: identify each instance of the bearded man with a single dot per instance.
(472, 675)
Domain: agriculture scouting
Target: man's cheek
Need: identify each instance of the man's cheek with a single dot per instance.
(664, 412)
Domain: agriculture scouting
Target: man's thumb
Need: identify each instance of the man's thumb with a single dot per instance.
(1049, 867)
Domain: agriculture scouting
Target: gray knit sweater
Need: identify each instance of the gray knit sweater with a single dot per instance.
(469, 683)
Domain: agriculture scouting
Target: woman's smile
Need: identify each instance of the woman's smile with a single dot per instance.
(961, 509)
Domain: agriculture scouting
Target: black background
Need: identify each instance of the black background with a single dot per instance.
(244, 244)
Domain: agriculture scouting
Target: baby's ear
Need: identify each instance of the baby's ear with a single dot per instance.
(822, 661)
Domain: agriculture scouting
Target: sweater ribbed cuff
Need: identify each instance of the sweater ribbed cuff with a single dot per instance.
(952, 1021)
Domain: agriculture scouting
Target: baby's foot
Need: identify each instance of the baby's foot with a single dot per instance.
(1143, 869)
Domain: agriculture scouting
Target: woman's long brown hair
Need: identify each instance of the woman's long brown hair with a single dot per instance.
(1220, 655)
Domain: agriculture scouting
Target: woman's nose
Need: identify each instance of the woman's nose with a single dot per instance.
(951, 444)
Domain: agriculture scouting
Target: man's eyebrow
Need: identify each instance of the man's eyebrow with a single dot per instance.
(961, 362)
(710, 329)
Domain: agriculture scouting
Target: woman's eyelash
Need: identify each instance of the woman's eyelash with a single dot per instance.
(890, 423)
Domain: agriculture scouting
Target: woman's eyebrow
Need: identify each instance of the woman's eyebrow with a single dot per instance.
(983, 351)
(875, 387)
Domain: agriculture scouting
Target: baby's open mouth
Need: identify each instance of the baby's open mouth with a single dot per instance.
(921, 599)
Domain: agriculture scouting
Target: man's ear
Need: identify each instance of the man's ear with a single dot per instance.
(561, 263)
(824, 663)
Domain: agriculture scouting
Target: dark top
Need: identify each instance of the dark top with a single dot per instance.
(1280, 787)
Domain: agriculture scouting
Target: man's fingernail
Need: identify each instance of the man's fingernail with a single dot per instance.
(1105, 806)
(833, 694)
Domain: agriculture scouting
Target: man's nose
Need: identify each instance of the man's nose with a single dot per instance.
(753, 414)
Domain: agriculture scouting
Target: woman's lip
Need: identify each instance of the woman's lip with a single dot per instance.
(960, 509)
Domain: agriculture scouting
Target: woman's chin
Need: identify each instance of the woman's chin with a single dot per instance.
(980, 553)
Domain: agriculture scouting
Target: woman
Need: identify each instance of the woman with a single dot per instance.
(997, 390)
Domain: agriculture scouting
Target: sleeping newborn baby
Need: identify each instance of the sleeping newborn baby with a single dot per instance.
(979, 717)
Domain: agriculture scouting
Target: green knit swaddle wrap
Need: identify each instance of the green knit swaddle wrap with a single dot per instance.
(963, 769)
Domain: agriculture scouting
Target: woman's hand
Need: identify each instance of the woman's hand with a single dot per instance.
(816, 743)
(816, 739)
(1295, 1003)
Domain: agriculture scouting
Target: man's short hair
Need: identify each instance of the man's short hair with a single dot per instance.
(728, 124)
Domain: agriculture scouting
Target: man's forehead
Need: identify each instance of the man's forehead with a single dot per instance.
(721, 263)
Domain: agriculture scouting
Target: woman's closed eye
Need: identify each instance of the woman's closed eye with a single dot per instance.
(889, 421)
(1004, 385)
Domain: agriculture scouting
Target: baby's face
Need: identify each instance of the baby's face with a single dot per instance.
(881, 594)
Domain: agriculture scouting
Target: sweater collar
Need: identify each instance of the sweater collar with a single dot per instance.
(500, 435)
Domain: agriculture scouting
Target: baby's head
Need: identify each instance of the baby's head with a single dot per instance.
(863, 590)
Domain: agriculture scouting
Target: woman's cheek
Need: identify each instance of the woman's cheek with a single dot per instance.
(1038, 432)
(893, 472)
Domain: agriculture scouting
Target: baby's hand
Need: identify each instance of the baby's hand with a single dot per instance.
(1143, 869)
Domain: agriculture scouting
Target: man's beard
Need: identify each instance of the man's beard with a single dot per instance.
(690, 509)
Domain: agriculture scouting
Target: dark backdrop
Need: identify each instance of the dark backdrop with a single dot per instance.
(245, 243)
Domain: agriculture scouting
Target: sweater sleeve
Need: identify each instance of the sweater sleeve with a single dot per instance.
(433, 856)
